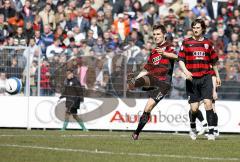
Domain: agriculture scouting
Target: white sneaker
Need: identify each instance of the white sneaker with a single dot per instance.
(211, 137)
(202, 131)
(216, 133)
(193, 134)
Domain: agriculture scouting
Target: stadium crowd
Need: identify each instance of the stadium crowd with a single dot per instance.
(98, 37)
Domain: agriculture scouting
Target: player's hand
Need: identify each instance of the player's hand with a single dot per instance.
(160, 51)
(215, 96)
(218, 81)
(188, 75)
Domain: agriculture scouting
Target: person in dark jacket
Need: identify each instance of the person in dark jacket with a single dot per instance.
(73, 93)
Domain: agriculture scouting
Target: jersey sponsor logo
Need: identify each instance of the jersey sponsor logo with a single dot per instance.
(156, 60)
(199, 53)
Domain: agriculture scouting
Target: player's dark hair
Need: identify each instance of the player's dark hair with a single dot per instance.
(161, 27)
(201, 22)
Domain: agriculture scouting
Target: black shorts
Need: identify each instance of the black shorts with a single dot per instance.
(159, 90)
(71, 110)
(199, 89)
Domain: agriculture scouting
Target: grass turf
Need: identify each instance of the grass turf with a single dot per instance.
(18, 145)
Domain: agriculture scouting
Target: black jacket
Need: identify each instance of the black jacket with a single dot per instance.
(73, 91)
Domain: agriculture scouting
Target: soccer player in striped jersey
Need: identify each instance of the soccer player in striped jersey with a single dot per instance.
(157, 73)
(196, 58)
(215, 79)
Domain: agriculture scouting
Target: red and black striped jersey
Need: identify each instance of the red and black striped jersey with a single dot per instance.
(160, 66)
(198, 56)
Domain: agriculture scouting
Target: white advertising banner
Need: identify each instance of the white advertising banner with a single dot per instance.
(110, 114)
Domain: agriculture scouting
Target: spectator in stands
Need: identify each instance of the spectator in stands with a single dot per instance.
(90, 39)
(60, 34)
(198, 8)
(223, 14)
(150, 15)
(102, 22)
(121, 26)
(85, 48)
(234, 42)
(223, 37)
(20, 39)
(4, 29)
(45, 88)
(171, 18)
(14, 70)
(148, 4)
(128, 6)
(137, 7)
(33, 81)
(54, 49)
(217, 42)
(213, 8)
(37, 23)
(88, 11)
(34, 51)
(81, 21)
(60, 12)
(117, 6)
(27, 11)
(16, 21)
(47, 39)
(28, 30)
(136, 38)
(7, 10)
(99, 48)
(48, 17)
(146, 31)
(97, 31)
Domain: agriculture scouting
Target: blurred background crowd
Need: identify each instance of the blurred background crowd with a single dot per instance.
(104, 39)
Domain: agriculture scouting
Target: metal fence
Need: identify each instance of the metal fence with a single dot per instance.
(102, 75)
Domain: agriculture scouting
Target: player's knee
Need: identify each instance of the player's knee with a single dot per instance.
(194, 107)
(208, 104)
(75, 116)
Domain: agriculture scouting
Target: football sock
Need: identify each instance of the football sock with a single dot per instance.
(201, 119)
(210, 120)
(65, 124)
(192, 117)
(82, 125)
(143, 120)
(215, 120)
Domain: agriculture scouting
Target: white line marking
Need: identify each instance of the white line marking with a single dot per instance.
(105, 135)
(120, 153)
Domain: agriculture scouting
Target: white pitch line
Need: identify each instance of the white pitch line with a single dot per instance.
(120, 153)
(103, 135)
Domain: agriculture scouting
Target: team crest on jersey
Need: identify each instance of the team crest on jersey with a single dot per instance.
(206, 46)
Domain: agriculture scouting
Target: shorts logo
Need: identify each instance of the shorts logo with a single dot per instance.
(71, 83)
(206, 46)
(159, 96)
(189, 98)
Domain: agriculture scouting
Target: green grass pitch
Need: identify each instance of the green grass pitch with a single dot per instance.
(19, 145)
